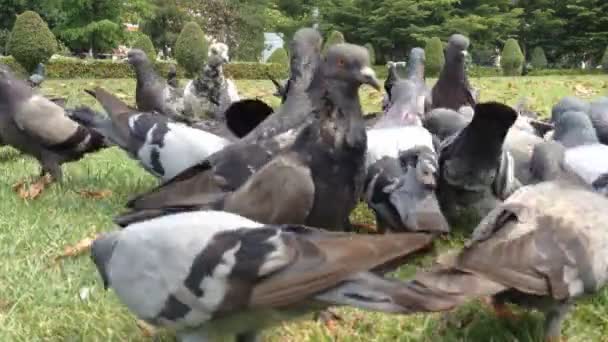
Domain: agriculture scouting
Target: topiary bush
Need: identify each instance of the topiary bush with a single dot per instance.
(31, 42)
(605, 60)
(191, 48)
(278, 56)
(144, 43)
(538, 58)
(434, 57)
(512, 59)
(372, 53)
(335, 37)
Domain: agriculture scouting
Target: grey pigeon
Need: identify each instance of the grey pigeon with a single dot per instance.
(452, 89)
(568, 104)
(163, 147)
(37, 126)
(211, 93)
(444, 122)
(37, 77)
(476, 172)
(543, 248)
(415, 73)
(210, 275)
(152, 93)
(575, 129)
(598, 113)
(297, 184)
(391, 79)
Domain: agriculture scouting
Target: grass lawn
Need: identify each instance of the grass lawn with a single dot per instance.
(42, 299)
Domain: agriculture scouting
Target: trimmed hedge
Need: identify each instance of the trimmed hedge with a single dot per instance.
(372, 53)
(144, 43)
(434, 57)
(279, 56)
(191, 48)
(538, 58)
(512, 60)
(66, 68)
(605, 60)
(31, 42)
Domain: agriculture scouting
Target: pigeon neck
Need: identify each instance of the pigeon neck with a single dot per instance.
(145, 72)
(415, 72)
(345, 97)
(454, 72)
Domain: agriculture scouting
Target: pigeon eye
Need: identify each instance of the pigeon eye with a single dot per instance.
(341, 62)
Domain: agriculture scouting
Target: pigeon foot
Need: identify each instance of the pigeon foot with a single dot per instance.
(329, 318)
(501, 310)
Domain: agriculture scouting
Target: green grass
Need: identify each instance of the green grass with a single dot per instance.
(40, 299)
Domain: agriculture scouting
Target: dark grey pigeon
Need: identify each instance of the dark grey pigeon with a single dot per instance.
(391, 79)
(476, 172)
(210, 274)
(452, 89)
(444, 122)
(575, 129)
(172, 79)
(296, 184)
(568, 104)
(37, 77)
(543, 248)
(37, 126)
(152, 92)
(598, 112)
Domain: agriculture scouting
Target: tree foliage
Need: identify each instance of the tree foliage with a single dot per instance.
(31, 42)
(191, 48)
(334, 37)
(165, 23)
(372, 53)
(512, 59)
(435, 58)
(605, 60)
(538, 58)
(144, 43)
(278, 56)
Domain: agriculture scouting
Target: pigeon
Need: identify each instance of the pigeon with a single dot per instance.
(164, 148)
(476, 172)
(212, 274)
(152, 93)
(37, 77)
(210, 94)
(543, 248)
(452, 89)
(575, 129)
(37, 126)
(415, 73)
(296, 185)
(600, 185)
(172, 79)
(568, 104)
(598, 113)
(444, 123)
(393, 76)
(281, 88)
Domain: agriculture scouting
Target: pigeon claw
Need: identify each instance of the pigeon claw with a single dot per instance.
(329, 318)
(501, 310)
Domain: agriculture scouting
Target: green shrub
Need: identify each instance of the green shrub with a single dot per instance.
(538, 58)
(67, 67)
(512, 59)
(434, 57)
(4, 37)
(191, 48)
(372, 53)
(144, 43)
(605, 60)
(31, 42)
(278, 56)
(335, 37)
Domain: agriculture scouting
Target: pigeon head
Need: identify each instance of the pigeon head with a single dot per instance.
(219, 52)
(575, 128)
(307, 40)
(101, 253)
(568, 103)
(457, 48)
(416, 64)
(137, 57)
(402, 192)
(403, 110)
(350, 63)
(545, 164)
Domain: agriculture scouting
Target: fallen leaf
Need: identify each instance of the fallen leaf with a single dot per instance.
(581, 90)
(95, 194)
(146, 329)
(79, 248)
(34, 190)
(5, 305)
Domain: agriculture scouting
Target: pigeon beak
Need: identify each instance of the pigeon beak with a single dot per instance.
(368, 76)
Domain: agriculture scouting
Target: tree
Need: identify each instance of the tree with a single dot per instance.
(372, 53)
(279, 56)
(512, 59)
(538, 58)
(605, 60)
(164, 24)
(31, 42)
(191, 48)
(144, 43)
(434, 57)
(334, 37)
(91, 24)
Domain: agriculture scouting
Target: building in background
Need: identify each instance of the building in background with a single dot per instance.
(272, 41)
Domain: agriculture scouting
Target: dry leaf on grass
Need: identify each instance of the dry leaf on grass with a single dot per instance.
(581, 90)
(95, 194)
(34, 190)
(146, 329)
(79, 248)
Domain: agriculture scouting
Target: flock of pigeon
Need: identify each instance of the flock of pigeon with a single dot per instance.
(224, 246)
